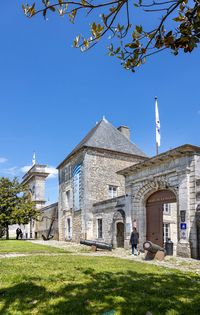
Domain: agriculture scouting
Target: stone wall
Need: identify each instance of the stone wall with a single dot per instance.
(195, 191)
(39, 184)
(100, 170)
(172, 220)
(77, 235)
(177, 175)
(65, 207)
(111, 212)
(47, 215)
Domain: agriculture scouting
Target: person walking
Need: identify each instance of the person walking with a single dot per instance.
(21, 234)
(17, 233)
(134, 240)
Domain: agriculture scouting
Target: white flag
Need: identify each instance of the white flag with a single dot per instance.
(33, 160)
(157, 123)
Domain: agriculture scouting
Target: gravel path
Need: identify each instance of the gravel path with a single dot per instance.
(183, 264)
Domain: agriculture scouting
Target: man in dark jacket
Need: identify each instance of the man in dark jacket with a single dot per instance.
(17, 233)
(134, 240)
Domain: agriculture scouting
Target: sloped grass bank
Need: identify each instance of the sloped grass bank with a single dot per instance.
(80, 285)
(21, 246)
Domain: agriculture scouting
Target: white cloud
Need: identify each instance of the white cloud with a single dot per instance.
(53, 172)
(17, 171)
(12, 171)
(25, 168)
(3, 160)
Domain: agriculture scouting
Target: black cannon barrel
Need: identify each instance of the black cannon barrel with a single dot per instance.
(152, 248)
(88, 243)
(100, 245)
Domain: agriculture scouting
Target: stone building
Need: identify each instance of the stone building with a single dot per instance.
(35, 180)
(107, 185)
(162, 196)
(89, 174)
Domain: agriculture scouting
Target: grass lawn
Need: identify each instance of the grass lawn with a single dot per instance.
(78, 285)
(19, 246)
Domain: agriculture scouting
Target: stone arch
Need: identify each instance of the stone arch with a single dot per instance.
(119, 215)
(146, 189)
(150, 186)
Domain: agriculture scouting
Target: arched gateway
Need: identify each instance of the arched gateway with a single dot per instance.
(158, 205)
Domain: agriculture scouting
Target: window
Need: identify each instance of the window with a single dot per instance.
(67, 173)
(166, 208)
(166, 231)
(99, 228)
(69, 229)
(68, 199)
(112, 191)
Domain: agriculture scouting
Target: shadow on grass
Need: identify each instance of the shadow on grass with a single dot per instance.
(126, 293)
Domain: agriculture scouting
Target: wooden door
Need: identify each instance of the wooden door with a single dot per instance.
(155, 224)
(120, 234)
(154, 215)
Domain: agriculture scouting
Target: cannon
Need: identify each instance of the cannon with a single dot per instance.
(153, 251)
(96, 244)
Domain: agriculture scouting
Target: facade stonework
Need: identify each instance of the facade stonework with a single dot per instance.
(69, 220)
(35, 180)
(101, 169)
(98, 172)
(89, 174)
(107, 186)
(47, 225)
(176, 171)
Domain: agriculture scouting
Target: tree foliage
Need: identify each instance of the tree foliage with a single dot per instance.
(16, 206)
(178, 27)
(2, 231)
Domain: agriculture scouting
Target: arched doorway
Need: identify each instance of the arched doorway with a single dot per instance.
(120, 234)
(118, 228)
(156, 204)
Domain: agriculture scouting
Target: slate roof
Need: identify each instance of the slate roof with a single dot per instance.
(105, 136)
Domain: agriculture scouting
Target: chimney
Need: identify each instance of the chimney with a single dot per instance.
(125, 131)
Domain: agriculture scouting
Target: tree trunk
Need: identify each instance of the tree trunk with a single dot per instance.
(7, 232)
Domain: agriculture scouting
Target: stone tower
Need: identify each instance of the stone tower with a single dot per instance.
(35, 179)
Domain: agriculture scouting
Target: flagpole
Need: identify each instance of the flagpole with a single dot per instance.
(157, 120)
(156, 99)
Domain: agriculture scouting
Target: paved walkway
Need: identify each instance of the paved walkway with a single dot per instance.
(183, 264)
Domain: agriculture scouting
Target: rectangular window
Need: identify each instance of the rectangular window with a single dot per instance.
(77, 187)
(112, 191)
(166, 231)
(166, 208)
(68, 199)
(67, 173)
(69, 229)
(99, 228)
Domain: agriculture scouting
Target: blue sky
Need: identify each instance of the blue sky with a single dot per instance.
(52, 95)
